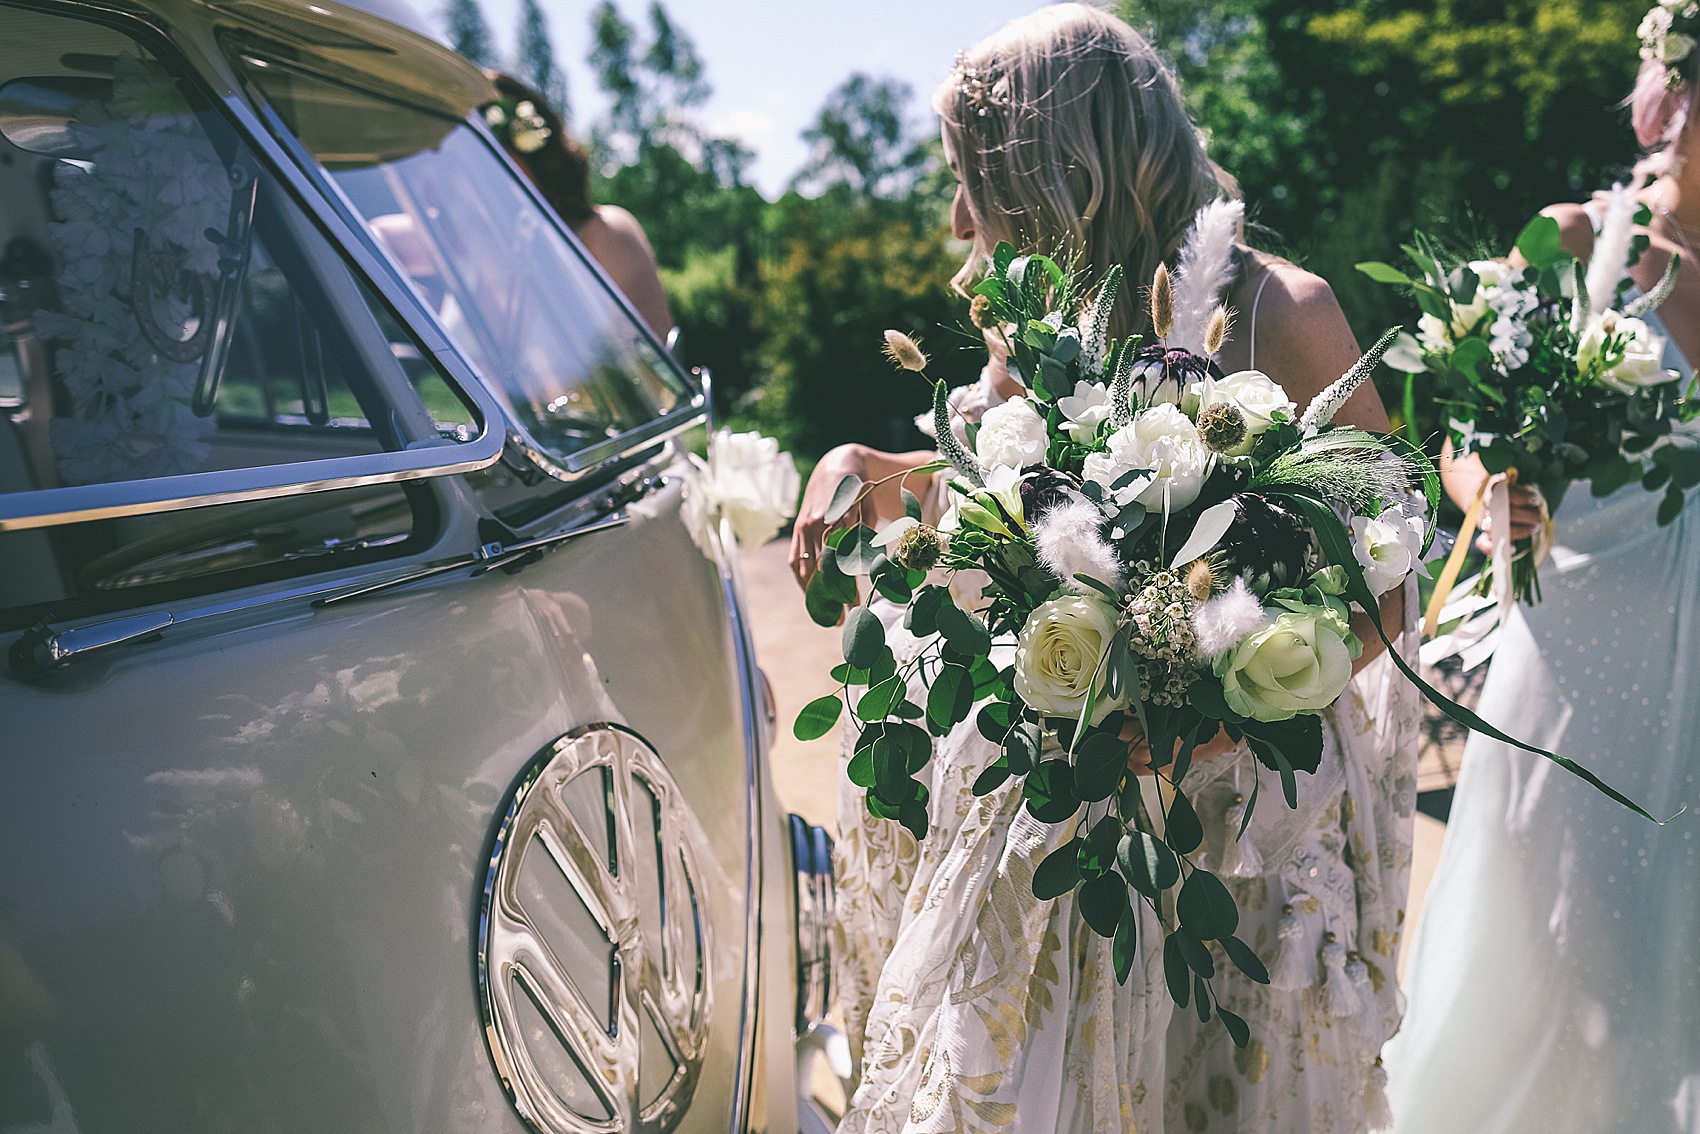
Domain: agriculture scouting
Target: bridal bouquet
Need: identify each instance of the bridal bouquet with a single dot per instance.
(1548, 373)
(1165, 545)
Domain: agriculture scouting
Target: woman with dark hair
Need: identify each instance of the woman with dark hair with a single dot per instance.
(1555, 982)
(538, 141)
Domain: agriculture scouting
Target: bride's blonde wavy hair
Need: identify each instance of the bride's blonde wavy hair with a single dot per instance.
(1071, 139)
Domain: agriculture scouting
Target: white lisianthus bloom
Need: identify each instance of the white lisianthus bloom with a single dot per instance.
(1259, 398)
(986, 508)
(1389, 547)
(1086, 409)
(1057, 657)
(1164, 441)
(1299, 663)
(1622, 353)
(1012, 435)
(747, 480)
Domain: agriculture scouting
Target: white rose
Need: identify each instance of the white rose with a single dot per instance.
(746, 480)
(1012, 434)
(1623, 353)
(1299, 663)
(1086, 409)
(1257, 396)
(1057, 657)
(1163, 440)
(1388, 546)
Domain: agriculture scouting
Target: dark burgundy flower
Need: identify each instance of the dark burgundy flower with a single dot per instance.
(1268, 544)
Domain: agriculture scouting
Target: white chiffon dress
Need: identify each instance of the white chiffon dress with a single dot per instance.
(971, 1005)
(1555, 980)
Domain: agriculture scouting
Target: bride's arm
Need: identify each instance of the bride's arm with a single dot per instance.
(1304, 343)
(881, 504)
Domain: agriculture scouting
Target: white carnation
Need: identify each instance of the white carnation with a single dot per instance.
(1012, 434)
(1163, 441)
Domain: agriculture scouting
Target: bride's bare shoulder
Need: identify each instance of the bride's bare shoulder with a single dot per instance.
(1303, 339)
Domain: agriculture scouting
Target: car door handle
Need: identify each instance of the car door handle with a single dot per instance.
(487, 558)
(43, 648)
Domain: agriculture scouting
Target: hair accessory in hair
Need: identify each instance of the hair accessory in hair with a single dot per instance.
(1669, 33)
(518, 124)
(977, 87)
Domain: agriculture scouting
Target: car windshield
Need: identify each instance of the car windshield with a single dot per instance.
(511, 290)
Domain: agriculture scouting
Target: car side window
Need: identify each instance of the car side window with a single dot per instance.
(168, 309)
(515, 295)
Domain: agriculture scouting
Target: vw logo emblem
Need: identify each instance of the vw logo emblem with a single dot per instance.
(593, 952)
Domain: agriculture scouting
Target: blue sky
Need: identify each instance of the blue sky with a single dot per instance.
(772, 62)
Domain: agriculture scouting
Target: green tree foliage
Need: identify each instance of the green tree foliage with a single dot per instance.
(785, 301)
(1350, 123)
(537, 58)
(860, 139)
(469, 32)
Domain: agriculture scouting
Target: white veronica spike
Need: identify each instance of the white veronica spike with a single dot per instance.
(1202, 271)
(1610, 259)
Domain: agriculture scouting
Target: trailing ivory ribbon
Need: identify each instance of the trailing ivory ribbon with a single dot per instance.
(1495, 494)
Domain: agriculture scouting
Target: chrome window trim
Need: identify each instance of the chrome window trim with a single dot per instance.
(54, 506)
(568, 467)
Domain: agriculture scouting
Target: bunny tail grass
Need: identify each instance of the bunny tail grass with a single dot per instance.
(1325, 405)
(952, 449)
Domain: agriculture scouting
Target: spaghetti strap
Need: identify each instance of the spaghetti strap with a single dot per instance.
(1251, 363)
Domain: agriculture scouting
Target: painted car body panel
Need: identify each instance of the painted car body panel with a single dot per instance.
(242, 862)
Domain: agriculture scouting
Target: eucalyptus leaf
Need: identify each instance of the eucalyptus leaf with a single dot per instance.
(1206, 907)
(1148, 864)
(1176, 974)
(1049, 791)
(1058, 873)
(1244, 959)
(1184, 832)
(1237, 1029)
(817, 717)
(1122, 953)
(1102, 900)
(1197, 954)
(863, 637)
(843, 497)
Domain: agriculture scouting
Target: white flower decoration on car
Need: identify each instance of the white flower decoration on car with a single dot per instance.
(1389, 547)
(1163, 441)
(746, 480)
(1086, 409)
(1012, 435)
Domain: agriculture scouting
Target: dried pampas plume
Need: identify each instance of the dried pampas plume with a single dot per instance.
(1220, 622)
(1069, 544)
